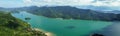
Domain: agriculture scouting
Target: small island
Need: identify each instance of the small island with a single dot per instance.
(27, 18)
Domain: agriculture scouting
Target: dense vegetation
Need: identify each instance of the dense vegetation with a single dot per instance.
(11, 26)
(67, 12)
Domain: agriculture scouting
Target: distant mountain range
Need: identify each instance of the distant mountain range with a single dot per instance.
(99, 8)
(67, 12)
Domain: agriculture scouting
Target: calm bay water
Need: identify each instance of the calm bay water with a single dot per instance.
(63, 27)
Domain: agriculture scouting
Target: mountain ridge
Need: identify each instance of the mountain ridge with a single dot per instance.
(68, 12)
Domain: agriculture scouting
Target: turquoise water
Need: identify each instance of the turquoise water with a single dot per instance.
(63, 27)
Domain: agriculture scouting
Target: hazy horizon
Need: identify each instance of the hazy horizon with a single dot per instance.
(87, 4)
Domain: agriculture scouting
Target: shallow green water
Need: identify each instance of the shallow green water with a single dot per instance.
(63, 27)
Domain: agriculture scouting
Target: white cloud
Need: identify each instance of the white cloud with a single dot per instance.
(98, 3)
(115, 4)
(112, 3)
(27, 1)
(109, 3)
(60, 2)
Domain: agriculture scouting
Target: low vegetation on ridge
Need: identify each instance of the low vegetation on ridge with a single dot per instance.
(11, 26)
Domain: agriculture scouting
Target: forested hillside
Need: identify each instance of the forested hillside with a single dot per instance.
(11, 26)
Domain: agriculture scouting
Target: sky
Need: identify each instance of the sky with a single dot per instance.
(39, 3)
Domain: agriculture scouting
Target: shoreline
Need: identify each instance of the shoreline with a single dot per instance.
(46, 32)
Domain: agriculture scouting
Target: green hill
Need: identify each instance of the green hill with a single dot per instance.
(68, 12)
(11, 26)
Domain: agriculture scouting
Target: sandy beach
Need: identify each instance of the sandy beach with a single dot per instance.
(46, 32)
(49, 34)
